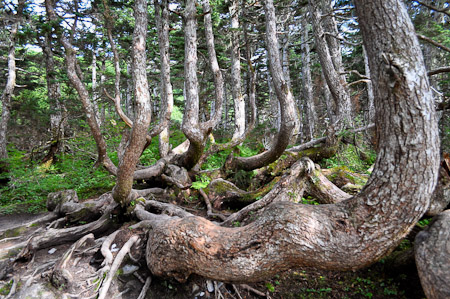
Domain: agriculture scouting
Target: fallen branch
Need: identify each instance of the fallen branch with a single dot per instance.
(314, 142)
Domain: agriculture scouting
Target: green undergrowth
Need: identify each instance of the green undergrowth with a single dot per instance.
(29, 183)
(356, 159)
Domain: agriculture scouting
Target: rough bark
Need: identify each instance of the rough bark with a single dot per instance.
(127, 166)
(11, 80)
(432, 254)
(285, 99)
(328, 50)
(353, 233)
(58, 117)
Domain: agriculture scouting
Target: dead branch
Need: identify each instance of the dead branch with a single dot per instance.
(433, 42)
(209, 210)
(440, 70)
(444, 10)
(314, 142)
(115, 266)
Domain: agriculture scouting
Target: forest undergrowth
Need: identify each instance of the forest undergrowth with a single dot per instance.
(28, 182)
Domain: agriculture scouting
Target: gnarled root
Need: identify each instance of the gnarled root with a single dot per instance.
(53, 237)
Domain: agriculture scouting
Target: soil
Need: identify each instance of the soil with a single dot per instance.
(381, 280)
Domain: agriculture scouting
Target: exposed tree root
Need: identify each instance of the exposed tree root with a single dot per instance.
(61, 276)
(115, 266)
(52, 237)
(145, 288)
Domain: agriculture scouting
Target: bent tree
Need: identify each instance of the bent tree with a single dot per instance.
(349, 234)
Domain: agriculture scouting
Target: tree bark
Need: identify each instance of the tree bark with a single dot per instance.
(285, 99)
(330, 58)
(307, 81)
(58, 118)
(432, 257)
(236, 89)
(162, 23)
(10, 82)
(355, 232)
(127, 166)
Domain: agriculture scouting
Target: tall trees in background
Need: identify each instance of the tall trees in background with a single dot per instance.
(15, 19)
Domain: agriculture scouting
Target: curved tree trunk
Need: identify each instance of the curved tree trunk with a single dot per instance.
(285, 99)
(74, 78)
(329, 53)
(432, 253)
(127, 166)
(353, 233)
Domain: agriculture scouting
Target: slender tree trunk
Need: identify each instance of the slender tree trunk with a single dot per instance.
(162, 23)
(10, 82)
(127, 165)
(355, 232)
(370, 95)
(285, 98)
(236, 88)
(307, 81)
(330, 58)
(72, 65)
(58, 117)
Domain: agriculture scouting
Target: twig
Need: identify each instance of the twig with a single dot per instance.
(445, 69)
(249, 288)
(209, 211)
(116, 264)
(237, 291)
(145, 288)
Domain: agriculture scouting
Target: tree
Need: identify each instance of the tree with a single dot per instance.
(11, 81)
(348, 233)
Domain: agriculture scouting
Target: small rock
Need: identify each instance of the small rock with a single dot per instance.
(129, 269)
(195, 288)
(114, 248)
(210, 286)
(52, 251)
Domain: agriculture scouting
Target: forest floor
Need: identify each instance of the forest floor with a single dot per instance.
(381, 280)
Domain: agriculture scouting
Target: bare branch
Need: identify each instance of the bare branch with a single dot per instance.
(445, 10)
(433, 42)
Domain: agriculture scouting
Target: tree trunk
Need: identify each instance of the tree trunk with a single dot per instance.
(127, 166)
(162, 23)
(330, 58)
(433, 255)
(353, 233)
(72, 65)
(307, 81)
(11, 81)
(370, 96)
(236, 89)
(285, 99)
(58, 118)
